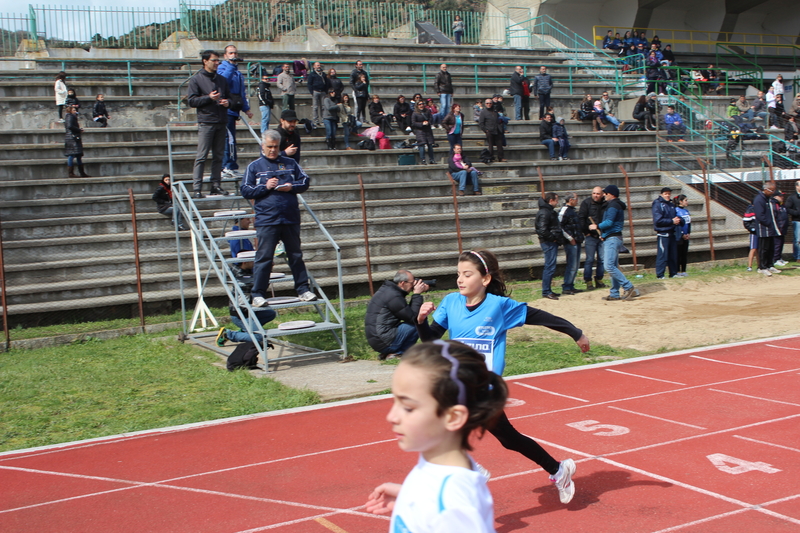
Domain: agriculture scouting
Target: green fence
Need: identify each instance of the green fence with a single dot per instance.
(13, 29)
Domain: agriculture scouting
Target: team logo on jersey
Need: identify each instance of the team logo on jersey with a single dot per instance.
(484, 331)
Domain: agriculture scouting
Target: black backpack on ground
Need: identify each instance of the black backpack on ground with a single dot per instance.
(367, 144)
(243, 356)
(486, 156)
(634, 126)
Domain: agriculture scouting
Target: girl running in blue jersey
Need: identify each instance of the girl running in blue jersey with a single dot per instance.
(443, 392)
(480, 315)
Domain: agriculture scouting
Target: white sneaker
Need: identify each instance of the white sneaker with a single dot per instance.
(258, 301)
(228, 173)
(765, 272)
(774, 270)
(563, 480)
(749, 269)
(307, 296)
(408, 129)
(781, 262)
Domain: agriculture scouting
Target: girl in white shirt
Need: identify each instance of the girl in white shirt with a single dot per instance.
(777, 85)
(442, 393)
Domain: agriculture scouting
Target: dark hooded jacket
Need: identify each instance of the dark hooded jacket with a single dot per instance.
(613, 219)
(547, 227)
(663, 213)
(595, 210)
(163, 196)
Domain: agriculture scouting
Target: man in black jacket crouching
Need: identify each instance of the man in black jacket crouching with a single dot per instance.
(389, 324)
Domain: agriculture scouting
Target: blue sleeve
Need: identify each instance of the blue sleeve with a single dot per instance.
(609, 218)
(301, 180)
(440, 315)
(251, 189)
(514, 313)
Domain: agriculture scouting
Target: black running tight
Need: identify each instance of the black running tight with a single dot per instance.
(511, 439)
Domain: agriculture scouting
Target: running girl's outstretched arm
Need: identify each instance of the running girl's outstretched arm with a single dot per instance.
(428, 332)
(382, 499)
(537, 317)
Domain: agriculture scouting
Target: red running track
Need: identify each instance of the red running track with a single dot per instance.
(705, 440)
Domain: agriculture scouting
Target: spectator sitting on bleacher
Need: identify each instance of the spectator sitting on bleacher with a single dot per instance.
(378, 116)
(791, 129)
(608, 107)
(263, 315)
(795, 109)
(732, 110)
(99, 111)
(758, 108)
(587, 112)
(642, 112)
(654, 48)
(674, 124)
(608, 39)
(547, 137)
(742, 105)
(779, 118)
(656, 42)
(461, 170)
(627, 40)
(402, 114)
(667, 55)
(560, 133)
(163, 199)
(712, 77)
(643, 40)
(600, 114)
(239, 246)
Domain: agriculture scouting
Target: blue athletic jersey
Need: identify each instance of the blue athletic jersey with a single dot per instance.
(485, 328)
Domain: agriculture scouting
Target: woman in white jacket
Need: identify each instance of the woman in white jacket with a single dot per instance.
(60, 89)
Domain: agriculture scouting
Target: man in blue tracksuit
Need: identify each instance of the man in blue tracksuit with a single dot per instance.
(767, 228)
(611, 233)
(238, 90)
(274, 181)
(665, 218)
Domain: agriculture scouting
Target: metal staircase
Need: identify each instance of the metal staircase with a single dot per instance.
(206, 230)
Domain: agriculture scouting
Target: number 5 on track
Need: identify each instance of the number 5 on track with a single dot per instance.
(592, 425)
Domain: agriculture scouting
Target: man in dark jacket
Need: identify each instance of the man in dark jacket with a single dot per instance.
(444, 87)
(542, 86)
(274, 181)
(573, 237)
(265, 102)
(521, 100)
(239, 102)
(611, 233)
(793, 209)
(664, 221)
(354, 75)
(550, 237)
(489, 123)
(547, 137)
(766, 228)
(208, 92)
(591, 212)
(318, 88)
(290, 139)
(389, 324)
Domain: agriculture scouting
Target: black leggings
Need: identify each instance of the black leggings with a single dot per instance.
(361, 103)
(60, 111)
(511, 439)
(683, 253)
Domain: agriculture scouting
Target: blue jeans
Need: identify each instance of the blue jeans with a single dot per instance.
(593, 247)
(262, 315)
(404, 339)
(445, 102)
(550, 250)
(613, 120)
(169, 212)
(330, 128)
(551, 146)
(454, 139)
(573, 253)
(750, 115)
(346, 133)
(266, 114)
(796, 241)
(563, 150)
(611, 248)
(676, 129)
(667, 255)
(229, 159)
(544, 103)
(461, 177)
(517, 107)
(71, 159)
(457, 35)
(422, 151)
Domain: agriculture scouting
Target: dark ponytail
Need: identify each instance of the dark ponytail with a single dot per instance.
(678, 199)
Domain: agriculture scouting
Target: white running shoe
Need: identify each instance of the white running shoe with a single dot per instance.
(408, 129)
(774, 270)
(307, 296)
(781, 262)
(228, 173)
(765, 272)
(563, 480)
(258, 301)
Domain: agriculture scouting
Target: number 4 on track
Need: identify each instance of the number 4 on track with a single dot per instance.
(723, 462)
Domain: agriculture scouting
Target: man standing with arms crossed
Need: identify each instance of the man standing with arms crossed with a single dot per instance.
(239, 102)
(208, 92)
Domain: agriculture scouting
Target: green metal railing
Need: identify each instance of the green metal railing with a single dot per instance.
(681, 80)
(13, 29)
(745, 69)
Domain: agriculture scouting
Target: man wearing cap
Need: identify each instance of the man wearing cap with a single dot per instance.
(665, 218)
(208, 93)
(273, 182)
(611, 233)
(290, 139)
(390, 322)
(239, 102)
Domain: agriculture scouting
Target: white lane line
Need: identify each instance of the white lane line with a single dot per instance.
(755, 397)
(551, 392)
(644, 377)
(656, 417)
(651, 394)
(307, 519)
(702, 521)
(767, 443)
(778, 515)
(729, 363)
(782, 347)
(755, 424)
